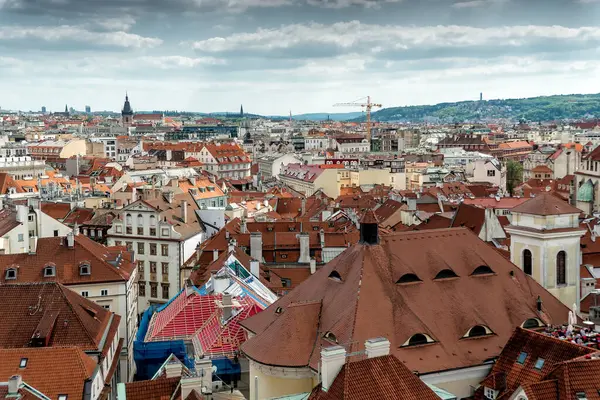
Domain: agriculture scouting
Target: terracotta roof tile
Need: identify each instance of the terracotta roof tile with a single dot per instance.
(378, 378)
(546, 204)
(158, 389)
(404, 310)
(52, 370)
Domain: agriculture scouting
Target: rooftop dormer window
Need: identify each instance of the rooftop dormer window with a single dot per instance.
(85, 269)
(483, 270)
(408, 278)
(478, 331)
(335, 276)
(445, 274)
(418, 339)
(11, 274)
(532, 323)
(49, 271)
(330, 336)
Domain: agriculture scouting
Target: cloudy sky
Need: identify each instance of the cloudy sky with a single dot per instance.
(274, 56)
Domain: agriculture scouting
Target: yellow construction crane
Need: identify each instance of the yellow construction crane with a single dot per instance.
(368, 106)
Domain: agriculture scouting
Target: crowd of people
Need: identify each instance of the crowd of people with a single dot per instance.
(585, 336)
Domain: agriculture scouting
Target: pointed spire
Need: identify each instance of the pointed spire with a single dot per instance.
(242, 110)
(66, 109)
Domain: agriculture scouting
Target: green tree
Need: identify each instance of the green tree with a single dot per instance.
(514, 175)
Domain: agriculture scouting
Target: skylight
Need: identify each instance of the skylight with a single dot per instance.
(23, 363)
(522, 357)
(539, 364)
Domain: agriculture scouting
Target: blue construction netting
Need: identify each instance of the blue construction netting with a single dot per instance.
(149, 356)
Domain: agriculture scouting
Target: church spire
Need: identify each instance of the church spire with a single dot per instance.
(66, 109)
(242, 111)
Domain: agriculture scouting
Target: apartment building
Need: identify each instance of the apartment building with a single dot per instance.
(163, 230)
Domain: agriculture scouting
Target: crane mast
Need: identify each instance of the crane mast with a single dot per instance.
(368, 107)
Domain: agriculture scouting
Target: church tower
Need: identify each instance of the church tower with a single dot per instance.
(126, 113)
(242, 111)
(545, 240)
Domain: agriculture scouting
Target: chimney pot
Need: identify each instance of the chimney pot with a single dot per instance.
(313, 266)
(14, 384)
(332, 360)
(377, 347)
(256, 246)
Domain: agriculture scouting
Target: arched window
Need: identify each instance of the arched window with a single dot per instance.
(152, 220)
(140, 219)
(418, 339)
(527, 268)
(446, 273)
(478, 330)
(49, 271)
(532, 323)
(482, 270)
(334, 275)
(561, 268)
(128, 219)
(408, 278)
(84, 268)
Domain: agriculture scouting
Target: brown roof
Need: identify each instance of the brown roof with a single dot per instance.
(536, 346)
(288, 338)
(158, 389)
(51, 370)
(56, 210)
(8, 220)
(378, 378)
(470, 217)
(545, 204)
(59, 316)
(54, 251)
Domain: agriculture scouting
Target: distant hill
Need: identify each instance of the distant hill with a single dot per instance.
(533, 109)
(325, 116)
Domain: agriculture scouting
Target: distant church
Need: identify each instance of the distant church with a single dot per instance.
(126, 113)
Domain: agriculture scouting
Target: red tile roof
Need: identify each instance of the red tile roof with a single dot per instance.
(404, 310)
(545, 204)
(52, 371)
(59, 316)
(55, 252)
(157, 389)
(56, 210)
(378, 378)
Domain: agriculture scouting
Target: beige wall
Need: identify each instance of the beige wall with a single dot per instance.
(73, 148)
(275, 386)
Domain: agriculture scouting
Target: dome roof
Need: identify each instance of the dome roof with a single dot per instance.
(586, 192)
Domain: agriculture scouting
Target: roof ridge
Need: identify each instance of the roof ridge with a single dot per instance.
(70, 305)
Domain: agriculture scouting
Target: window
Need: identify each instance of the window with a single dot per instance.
(85, 293)
(140, 230)
(335, 276)
(142, 288)
(153, 289)
(56, 233)
(30, 218)
(476, 331)
(164, 231)
(491, 172)
(417, 339)
(522, 357)
(286, 282)
(104, 292)
(23, 363)
(62, 397)
(446, 273)
(140, 265)
(152, 267)
(408, 278)
(165, 291)
(527, 266)
(118, 243)
(11, 273)
(84, 269)
(20, 237)
(165, 268)
(561, 268)
(140, 248)
(106, 307)
(539, 364)
(152, 220)
(482, 270)
(128, 219)
(164, 250)
(49, 271)
(152, 231)
(152, 249)
(140, 219)
(129, 230)
(532, 323)
(129, 246)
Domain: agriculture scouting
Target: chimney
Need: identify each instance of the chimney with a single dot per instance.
(304, 248)
(313, 266)
(369, 229)
(76, 229)
(227, 303)
(32, 244)
(243, 227)
(219, 283)
(412, 204)
(256, 246)
(255, 268)
(322, 238)
(303, 206)
(169, 196)
(70, 240)
(192, 181)
(332, 360)
(377, 347)
(215, 254)
(232, 245)
(191, 383)
(184, 211)
(173, 370)
(14, 384)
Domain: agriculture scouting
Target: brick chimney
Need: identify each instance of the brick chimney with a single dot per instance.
(304, 239)
(256, 246)
(184, 216)
(332, 360)
(377, 347)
